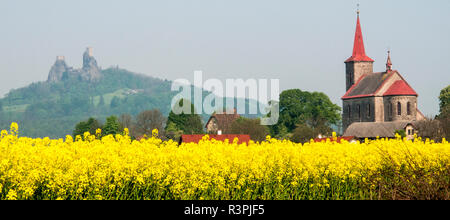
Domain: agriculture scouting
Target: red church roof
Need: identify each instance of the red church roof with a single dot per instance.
(359, 53)
(195, 138)
(400, 87)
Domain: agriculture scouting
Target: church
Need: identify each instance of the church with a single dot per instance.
(376, 104)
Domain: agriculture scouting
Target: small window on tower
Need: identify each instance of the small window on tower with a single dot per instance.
(399, 108)
(368, 110)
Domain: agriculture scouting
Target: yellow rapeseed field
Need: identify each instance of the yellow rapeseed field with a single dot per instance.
(116, 167)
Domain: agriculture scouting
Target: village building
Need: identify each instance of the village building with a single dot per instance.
(220, 123)
(376, 103)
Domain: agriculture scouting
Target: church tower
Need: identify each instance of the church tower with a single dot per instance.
(359, 63)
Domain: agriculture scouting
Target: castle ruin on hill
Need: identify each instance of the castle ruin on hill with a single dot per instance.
(89, 72)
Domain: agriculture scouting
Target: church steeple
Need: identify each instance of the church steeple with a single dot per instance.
(359, 53)
(359, 63)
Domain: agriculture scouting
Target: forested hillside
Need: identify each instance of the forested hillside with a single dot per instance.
(51, 109)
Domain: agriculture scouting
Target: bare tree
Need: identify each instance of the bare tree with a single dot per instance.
(148, 120)
(126, 121)
(430, 128)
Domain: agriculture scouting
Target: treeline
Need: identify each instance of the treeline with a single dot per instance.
(144, 123)
(303, 115)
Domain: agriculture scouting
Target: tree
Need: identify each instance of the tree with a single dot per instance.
(91, 125)
(301, 107)
(303, 133)
(148, 120)
(401, 132)
(190, 123)
(444, 101)
(250, 126)
(444, 111)
(126, 121)
(111, 126)
(1, 106)
(430, 128)
(172, 132)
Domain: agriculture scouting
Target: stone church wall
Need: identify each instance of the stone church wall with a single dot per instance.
(361, 110)
(391, 108)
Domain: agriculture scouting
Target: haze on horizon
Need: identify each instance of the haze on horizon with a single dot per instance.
(302, 43)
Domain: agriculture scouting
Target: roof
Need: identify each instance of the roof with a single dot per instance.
(374, 129)
(338, 139)
(367, 85)
(224, 120)
(359, 53)
(371, 85)
(195, 138)
(400, 87)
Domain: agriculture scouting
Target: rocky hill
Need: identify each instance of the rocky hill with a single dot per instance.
(90, 72)
(52, 108)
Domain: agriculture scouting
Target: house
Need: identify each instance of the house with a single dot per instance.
(195, 138)
(220, 123)
(375, 103)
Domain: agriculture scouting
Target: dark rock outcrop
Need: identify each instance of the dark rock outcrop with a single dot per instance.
(57, 70)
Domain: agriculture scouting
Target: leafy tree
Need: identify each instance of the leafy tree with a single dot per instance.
(1, 106)
(172, 132)
(111, 126)
(444, 100)
(250, 126)
(444, 111)
(91, 125)
(401, 132)
(188, 123)
(303, 133)
(148, 120)
(301, 107)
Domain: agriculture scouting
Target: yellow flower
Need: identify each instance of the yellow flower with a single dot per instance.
(155, 133)
(14, 129)
(115, 167)
(12, 195)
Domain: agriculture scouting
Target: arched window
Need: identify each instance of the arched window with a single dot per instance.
(390, 109)
(399, 108)
(408, 108)
(358, 108)
(349, 111)
(368, 110)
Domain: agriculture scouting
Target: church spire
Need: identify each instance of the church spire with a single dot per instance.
(389, 63)
(359, 53)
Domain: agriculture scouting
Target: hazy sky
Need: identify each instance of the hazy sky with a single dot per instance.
(302, 43)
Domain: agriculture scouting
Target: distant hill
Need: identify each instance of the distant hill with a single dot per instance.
(52, 108)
